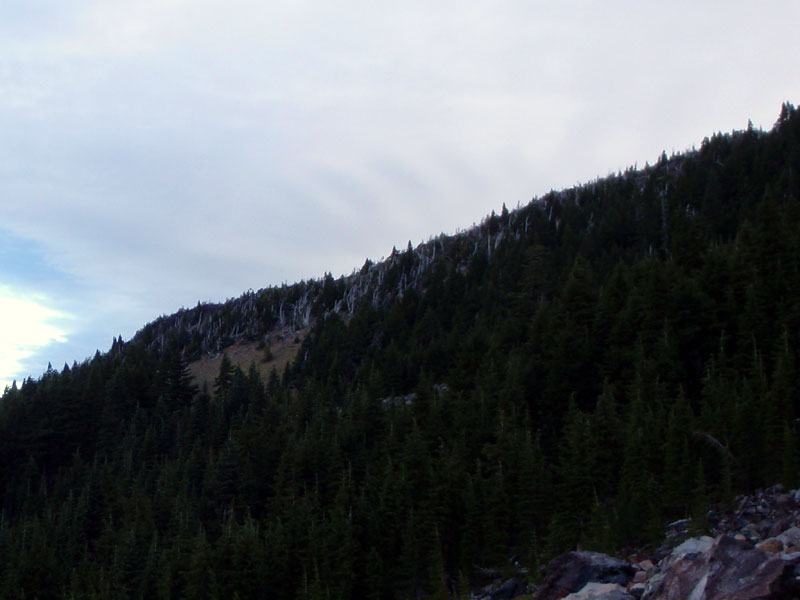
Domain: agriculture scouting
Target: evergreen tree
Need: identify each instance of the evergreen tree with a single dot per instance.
(571, 373)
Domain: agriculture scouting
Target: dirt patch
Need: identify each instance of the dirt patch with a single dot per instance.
(281, 349)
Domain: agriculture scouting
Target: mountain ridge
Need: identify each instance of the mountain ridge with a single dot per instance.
(297, 305)
(579, 371)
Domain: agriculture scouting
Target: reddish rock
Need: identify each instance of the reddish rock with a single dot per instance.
(772, 545)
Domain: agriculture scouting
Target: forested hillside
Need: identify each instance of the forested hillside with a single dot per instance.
(578, 371)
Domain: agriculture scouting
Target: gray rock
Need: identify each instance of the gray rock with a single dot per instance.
(510, 589)
(728, 570)
(600, 591)
(779, 526)
(690, 547)
(636, 590)
(570, 572)
(790, 537)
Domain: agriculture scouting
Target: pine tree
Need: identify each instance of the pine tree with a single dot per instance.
(790, 461)
(677, 461)
(224, 378)
(575, 485)
(699, 521)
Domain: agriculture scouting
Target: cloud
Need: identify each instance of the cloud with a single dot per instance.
(161, 152)
(27, 324)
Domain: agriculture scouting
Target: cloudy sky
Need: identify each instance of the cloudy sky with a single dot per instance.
(159, 152)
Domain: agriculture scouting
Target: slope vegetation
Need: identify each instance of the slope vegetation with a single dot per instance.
(578, 371)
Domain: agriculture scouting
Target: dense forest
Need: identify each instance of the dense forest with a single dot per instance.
(581, 370)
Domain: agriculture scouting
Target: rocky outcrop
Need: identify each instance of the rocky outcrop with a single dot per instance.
(763, 515)
(754, 554)
(571, 572)
(724, 569)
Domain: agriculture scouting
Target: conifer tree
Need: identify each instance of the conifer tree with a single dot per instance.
(699, 521)
(676, 484)
(224, 377)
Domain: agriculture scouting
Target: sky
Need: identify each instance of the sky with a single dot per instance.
(157, 153)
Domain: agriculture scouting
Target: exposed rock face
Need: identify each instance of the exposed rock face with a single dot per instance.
(790, 537)
(570, 572)
(729, 569)
(762, 515)
(754, 556)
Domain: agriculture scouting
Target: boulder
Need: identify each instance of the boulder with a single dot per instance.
(690, 548)
(777, 527)
(600, 591)
(729, 569)
(790, 537)
(646, 565)
(510, 589)
(636, 590)
(773, 545)
(570, 572)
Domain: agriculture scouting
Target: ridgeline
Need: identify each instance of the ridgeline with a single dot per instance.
(579, 371)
